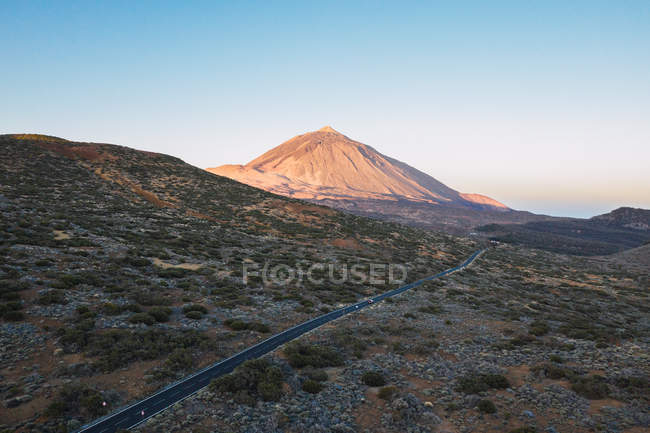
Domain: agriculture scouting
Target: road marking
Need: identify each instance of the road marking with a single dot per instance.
(121, 422)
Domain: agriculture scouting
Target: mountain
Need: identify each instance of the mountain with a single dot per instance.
(328, 167)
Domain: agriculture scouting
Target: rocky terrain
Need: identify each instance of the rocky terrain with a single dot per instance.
(123, 270)
(520, 342)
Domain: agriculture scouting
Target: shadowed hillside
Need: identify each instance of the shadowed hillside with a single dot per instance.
(621, 229)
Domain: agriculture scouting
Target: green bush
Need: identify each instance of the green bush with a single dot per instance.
(251, 381)
(195, 315)
(52, 297)
(111, 309)
(117, 348)
(317, 375)
(430, 309)
(539, 328)
(312, 386)
(552, 371)
(240, 325)
(475, 383)
(486, 406)
(14, 316)
(145, 318)
(74, 400)
(195, 307)
(302, 355)
(179, 360)
(172, 273)
(373, 378)
(592, 387)
(387, 392)
(10, 296)
(149, 299)
(161, 314)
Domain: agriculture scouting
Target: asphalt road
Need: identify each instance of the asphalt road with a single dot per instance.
(130, 416)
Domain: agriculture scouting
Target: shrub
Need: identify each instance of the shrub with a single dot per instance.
(556, 358)
(172, 273)
(111, 309)
(161, 314)
(11, 306)
(240, 325)
(387, 392)
(430, 309)
(517, 341)
(117, 348)
(145, 318)
(52, 297)
(76, 399)
(591, 387)
(345, 338)
(373, 378)
(179, 360)
(632, 382)
(317, 375)
(251, 381)
(148, 299)
(538, 328)
(311, 386)
(195, 307)
(195, 315)
(10, 296)
(486, 406)
(473, 384)
(302, 355)
(14, 316)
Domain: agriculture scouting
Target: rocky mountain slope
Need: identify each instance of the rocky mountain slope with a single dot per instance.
(122, 270)
(327, 167)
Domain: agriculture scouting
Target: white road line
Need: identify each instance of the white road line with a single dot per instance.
(121, 422)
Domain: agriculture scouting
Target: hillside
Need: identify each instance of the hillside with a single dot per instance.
(113, 258)
(625, 217)
(621, 229)
(329, 168)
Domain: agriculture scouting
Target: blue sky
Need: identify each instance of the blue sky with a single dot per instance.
(542, 105)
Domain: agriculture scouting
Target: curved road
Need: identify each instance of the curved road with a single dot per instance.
(130, 416)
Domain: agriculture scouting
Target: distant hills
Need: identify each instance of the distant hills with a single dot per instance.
(616, 231)
(328, 167)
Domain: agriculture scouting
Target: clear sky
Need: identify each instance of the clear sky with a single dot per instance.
(544, 105)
